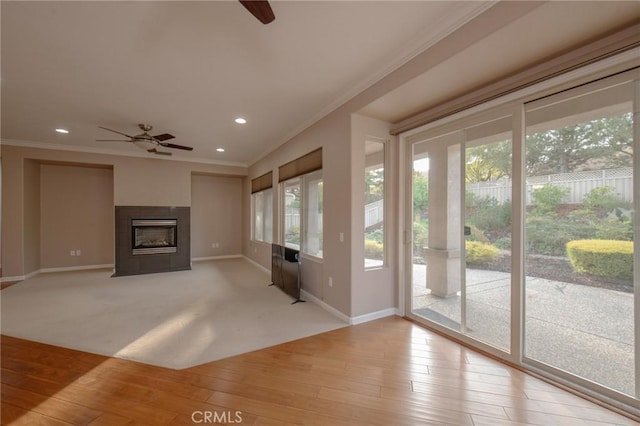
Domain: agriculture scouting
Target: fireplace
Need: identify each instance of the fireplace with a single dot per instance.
(153, 236)
(152, 239)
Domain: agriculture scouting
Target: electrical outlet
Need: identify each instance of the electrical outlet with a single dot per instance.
(78, 252)
(213, 245)
(330, 281)
(342, 237)
(72, 253)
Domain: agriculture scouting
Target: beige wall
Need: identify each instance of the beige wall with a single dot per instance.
(76, 213)
(216, 216)
(136, 181)
(151, 182)
(372, 290)
(333, 135)
(31, 216)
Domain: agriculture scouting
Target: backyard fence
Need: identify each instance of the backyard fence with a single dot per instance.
(578, 183)
(373, 213)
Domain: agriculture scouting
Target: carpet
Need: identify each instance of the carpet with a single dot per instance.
(177, 320)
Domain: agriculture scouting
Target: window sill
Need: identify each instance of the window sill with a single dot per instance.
(311, 258)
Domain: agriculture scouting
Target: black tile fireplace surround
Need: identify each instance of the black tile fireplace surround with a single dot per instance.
(160, 254)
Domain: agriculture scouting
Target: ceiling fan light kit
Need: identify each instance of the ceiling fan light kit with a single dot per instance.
(262, 11)
(147, 142)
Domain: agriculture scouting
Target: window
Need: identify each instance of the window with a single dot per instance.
(262, 208)
(312, 209)
(303, 213)
(579, 158)
(262, 202)
(525, 231)
(374, 193)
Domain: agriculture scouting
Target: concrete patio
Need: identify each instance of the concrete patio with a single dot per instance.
(584, 330)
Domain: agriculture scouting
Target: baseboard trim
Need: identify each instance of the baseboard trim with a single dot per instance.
(10, 279)
(226, 256)
(74, 268)
(311, 298)
(59, 269)
(253, 262)
(373, 316)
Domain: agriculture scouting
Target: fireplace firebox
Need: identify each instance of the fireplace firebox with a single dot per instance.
(152, 239)
(153, 236)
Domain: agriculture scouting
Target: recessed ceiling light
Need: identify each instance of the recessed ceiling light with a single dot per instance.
(240, 120)
(220, 149)
(60, 130)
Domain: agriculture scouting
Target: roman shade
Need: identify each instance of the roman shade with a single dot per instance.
(262, 182)
(618, 42)
(303, 165)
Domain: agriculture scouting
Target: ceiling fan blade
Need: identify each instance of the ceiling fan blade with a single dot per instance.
(163, 137)
(260, 9)
(111, 140)
(155, 151)
(115, 131)
(173, 145)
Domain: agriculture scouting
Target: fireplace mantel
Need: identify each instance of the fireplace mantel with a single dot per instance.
(133, 261)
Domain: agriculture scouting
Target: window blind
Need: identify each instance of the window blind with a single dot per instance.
(303, 165)
(262, 182)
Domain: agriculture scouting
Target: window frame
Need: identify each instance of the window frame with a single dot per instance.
(267, 215)
(303, 182)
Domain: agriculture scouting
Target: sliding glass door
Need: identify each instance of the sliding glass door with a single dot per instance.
(523, 227)
(461, 229)
(579, 228)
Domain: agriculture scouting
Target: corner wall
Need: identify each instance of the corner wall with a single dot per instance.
(216, 216)
(136, 181)
(372, 290)
(332, 134)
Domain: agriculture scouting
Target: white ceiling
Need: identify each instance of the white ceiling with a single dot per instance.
(190, 68)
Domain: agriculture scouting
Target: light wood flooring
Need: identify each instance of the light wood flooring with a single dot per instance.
(385, 372)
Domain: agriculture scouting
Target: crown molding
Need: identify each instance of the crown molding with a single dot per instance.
(106, 151)
(413, 48)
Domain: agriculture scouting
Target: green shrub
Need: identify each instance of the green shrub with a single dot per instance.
(373, 249)
(548, 198)
(377, 235)
(478, 253)
(477, 235)
(420, 235)
(602, 199)
(503, 243)
(614, 229)
(550, 234)
(487, 214)
(604, 258)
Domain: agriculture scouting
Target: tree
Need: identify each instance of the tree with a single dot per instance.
(605, 142)
(374, 185)
(488, 162)
(420, 193)
(617, 134)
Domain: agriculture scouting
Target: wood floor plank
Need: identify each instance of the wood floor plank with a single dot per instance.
(48, 406)
(384, 372)
(17, 416)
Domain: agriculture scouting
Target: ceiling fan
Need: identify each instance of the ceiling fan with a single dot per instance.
(146, 141)
(260, 9)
